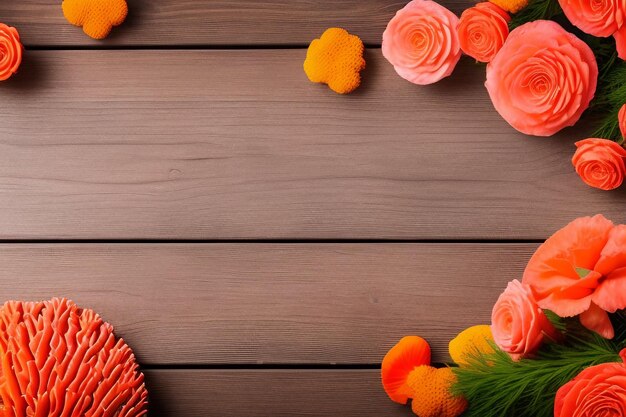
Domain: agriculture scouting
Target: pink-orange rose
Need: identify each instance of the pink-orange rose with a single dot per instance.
(598, 391)
(595, 17)
(421, 42)
(483, 30)
(518, 325)
(10, 51)
(581, 270)
(543, 78)
(600, 163)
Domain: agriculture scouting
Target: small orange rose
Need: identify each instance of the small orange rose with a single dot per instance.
(483, 30)
(11, 51)
(600, 163)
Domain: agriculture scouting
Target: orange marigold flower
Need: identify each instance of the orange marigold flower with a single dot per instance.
(59, 360)
(336, 59)
(511, 6)
(11, 51)
(97, 17)
(410, 352)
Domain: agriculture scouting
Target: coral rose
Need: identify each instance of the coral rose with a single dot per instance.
(600, 163)
(421, 42)
(518, 325)
(597, 391)
(483, 30)
(11, 51)
(595, 17)
(543, 78)
(581, 269)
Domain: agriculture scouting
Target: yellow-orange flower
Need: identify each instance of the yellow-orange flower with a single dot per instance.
(96, 17)
(336, 59)
(11, 51)
(512, 6)
(471, 341)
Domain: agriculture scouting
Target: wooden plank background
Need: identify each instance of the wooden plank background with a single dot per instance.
(212, 22)
(239, 145)
(270, 303)
(258, 240)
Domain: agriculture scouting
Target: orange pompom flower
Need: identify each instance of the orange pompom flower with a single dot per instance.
(581, 270)
(58, 360)
(97, 17)
(406, 373)
(11, 51)
(336, 59)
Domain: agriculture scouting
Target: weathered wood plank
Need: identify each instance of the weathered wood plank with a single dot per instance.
(270, 303)
(210, 22)
(238, 145)
(287, 393)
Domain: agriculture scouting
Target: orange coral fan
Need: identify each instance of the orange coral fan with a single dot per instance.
(59, 360)
(406, 374)
(431, 393)
(336, 59)
(97, 17)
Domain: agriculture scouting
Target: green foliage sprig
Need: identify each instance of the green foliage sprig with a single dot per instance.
(497, 386)
(536, 10)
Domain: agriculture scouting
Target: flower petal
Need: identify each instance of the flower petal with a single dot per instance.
(597, 320)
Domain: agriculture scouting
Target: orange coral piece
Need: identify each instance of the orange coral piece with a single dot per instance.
(59, 360)
(336, 59)
(431, 389)
(409, 353)
(97, 17)
(511, 6)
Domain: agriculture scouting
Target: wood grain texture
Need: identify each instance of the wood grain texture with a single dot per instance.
(211, 22)
(270, 303)
(287, 393)
(239, 145)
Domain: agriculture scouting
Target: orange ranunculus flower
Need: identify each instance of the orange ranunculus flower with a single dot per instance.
(600, 163)
(581, 270)
(518, 325)
(421, 42)
(11, 51)
(598, 18)
(543, 78)
(597, 391)
(483, 30)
